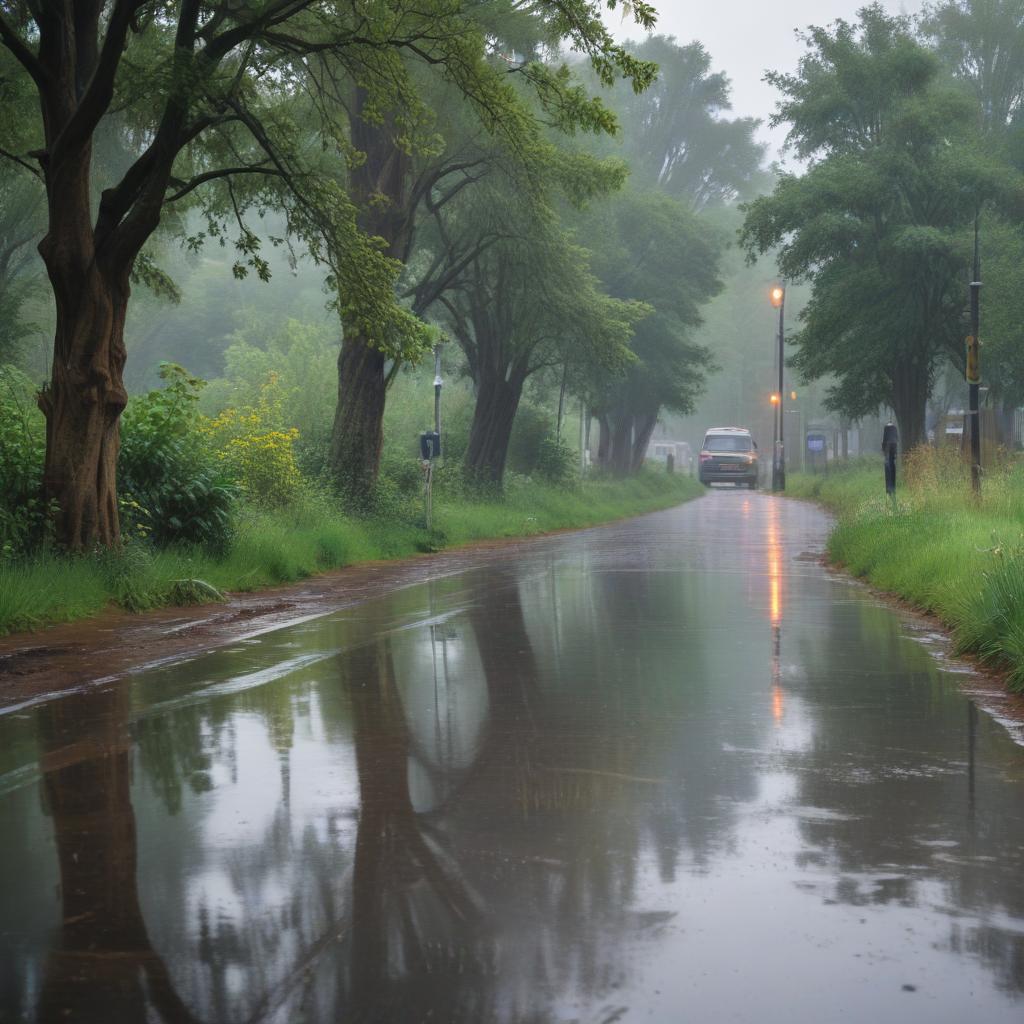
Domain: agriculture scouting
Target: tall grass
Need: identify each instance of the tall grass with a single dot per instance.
(937, 545)
(312, 535)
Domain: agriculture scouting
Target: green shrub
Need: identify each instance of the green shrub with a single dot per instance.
(176, 489)
(23, 519)
(532, 426)
(556, 461)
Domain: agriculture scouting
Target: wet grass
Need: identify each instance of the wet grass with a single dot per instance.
(937, 546)
(310, 537)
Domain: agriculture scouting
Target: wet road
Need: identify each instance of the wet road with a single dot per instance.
(667, 771)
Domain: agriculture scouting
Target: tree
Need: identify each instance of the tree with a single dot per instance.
(652, 249)
(982, 44)
(21, 206)
(877, 224)
(675, 136)
(208, 91)
(504, 62)
(524, 303)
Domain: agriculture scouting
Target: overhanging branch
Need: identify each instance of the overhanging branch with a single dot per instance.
(224, 172)
(24, 56)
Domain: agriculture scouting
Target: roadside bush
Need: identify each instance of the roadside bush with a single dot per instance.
(532, 425)
(257, 448)
(556, 461)
(403, 471)
(175, 488)
(23, 519)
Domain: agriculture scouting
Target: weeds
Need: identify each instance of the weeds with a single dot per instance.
(274, 546)
(937, 546)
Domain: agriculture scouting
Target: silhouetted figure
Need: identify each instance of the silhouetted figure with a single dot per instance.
(890, 442)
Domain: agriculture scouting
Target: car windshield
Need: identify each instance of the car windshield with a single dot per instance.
(727, 443)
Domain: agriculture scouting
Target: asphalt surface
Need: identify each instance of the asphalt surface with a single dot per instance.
(671, 770)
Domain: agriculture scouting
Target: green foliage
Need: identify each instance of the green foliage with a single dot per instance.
(533, 425)
(23, 516)
(313, 535)
(556, 461)
(936, 545)
(257, 447)
(181, 489)
(675, 135)
(879, 222)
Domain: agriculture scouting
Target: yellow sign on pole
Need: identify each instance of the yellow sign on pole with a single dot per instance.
(973, 372)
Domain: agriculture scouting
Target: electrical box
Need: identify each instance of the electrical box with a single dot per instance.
(430, 445)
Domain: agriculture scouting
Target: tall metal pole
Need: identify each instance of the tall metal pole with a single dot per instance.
(429, 469)
(974, 366)
(779, 462)
(437, 390)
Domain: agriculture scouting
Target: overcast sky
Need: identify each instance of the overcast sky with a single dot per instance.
(747, 37)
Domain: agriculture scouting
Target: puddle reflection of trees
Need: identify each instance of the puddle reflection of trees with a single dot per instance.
(102, 966)
(479, 868)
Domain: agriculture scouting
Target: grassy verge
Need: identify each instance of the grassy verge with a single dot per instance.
(311, 537)
(937, 546)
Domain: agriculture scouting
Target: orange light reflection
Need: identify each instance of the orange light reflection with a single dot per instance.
(774, 564)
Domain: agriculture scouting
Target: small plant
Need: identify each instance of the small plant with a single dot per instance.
(556, 461)
(23, 514)
(257, 448)
(177, 488)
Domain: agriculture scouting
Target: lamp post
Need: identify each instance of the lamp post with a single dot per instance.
(431, 450)
(973, 368)
(778, 301)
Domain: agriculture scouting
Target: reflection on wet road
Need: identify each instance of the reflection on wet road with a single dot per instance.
(666, 771)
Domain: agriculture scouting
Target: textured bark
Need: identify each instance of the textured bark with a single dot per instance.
(89, 264)
(358, 433)
(379, 186)
(83, 402)
(491, 431)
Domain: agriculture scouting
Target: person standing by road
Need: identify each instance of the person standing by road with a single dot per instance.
(890, 442)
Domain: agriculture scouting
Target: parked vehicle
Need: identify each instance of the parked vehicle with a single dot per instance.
(728, 455)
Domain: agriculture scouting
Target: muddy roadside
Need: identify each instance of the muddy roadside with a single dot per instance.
(64, 657)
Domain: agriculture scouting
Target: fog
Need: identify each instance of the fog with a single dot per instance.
(747, 38)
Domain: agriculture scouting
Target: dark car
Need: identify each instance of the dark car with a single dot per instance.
(728, 455)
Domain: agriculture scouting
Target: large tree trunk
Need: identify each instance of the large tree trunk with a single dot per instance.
(643, 430)
(379, 187)
(358, 433)
(622, 444)
(85, 396)
(604, 442)
(910, 399)
(497, 401)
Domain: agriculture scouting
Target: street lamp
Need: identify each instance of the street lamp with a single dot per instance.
(777, 296)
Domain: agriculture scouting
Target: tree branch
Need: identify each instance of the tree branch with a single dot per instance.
(25, 57)
(100, 90)
(223, 172)
(21, 163)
